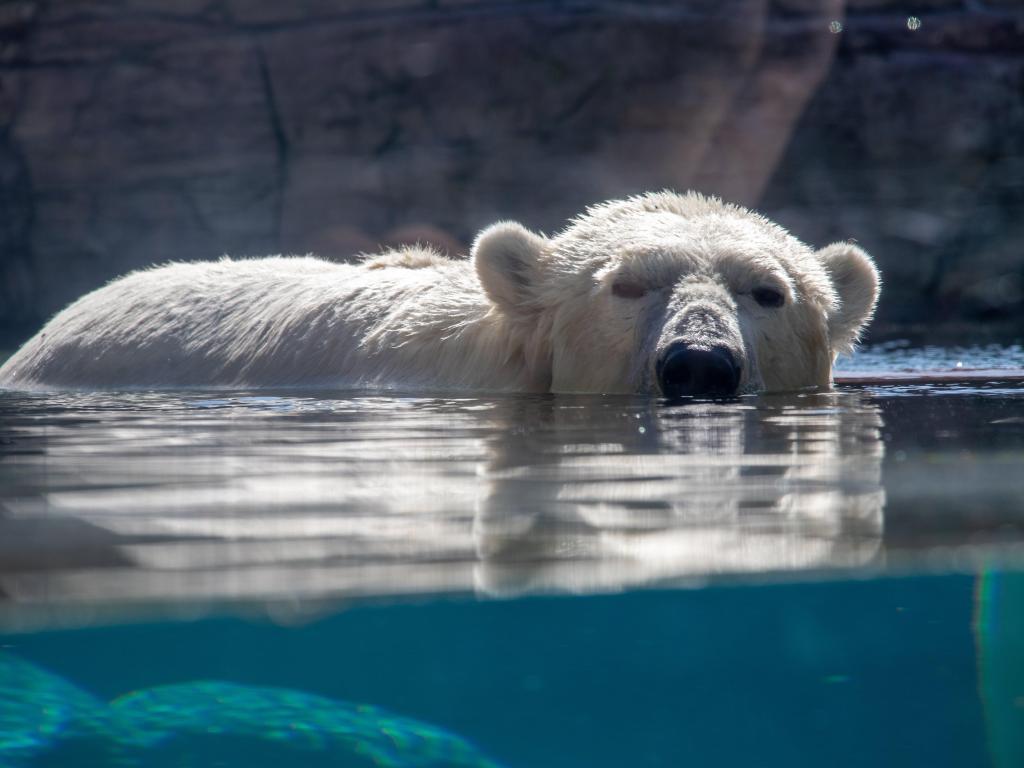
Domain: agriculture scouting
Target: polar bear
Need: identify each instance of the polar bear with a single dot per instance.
(662, 293)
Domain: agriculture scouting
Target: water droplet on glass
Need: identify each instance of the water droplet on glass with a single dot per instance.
(835, 27)
(913, 23)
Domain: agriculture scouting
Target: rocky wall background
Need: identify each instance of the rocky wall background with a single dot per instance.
(139, 131)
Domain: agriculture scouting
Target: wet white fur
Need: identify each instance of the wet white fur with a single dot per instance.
(526, 313)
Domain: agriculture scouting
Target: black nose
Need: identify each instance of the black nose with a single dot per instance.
(685, 371)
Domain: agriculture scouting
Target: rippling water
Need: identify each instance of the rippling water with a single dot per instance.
(902, 356)
(295, 505)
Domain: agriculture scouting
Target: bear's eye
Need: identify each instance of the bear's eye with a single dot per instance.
(768, 297)
(628, 290)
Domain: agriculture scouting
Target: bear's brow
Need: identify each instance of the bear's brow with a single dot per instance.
(744, 271)
(657, 267)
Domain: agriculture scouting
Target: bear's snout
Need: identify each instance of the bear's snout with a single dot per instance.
(685, 371)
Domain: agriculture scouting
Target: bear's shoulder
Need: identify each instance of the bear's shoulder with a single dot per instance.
(408, 258)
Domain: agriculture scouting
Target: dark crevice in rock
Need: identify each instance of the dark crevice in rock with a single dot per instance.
(281, 143)
(18, 280)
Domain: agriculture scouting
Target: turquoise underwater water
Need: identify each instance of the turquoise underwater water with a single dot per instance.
(917, 671)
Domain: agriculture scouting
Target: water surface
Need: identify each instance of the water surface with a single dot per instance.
(357, 578)
(160, 499)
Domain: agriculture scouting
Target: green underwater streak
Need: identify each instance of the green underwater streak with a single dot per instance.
(999, 640)
(290, 717)
(40, 711)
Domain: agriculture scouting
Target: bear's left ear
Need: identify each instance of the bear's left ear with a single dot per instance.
(507, 257)
(856, 282)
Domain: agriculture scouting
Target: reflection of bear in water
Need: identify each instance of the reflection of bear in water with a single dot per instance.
(661, 293)
(648, 495)
(508, 493)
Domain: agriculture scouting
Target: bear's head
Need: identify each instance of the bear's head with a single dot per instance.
(677, 295)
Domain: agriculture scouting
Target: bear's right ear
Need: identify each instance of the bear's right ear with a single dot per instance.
(508, 262)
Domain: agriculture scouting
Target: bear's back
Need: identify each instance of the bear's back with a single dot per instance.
(188, 323)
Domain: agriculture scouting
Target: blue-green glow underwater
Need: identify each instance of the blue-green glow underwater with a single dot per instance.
(42, 714)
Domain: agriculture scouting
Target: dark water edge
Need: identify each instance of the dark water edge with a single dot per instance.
(918, 671)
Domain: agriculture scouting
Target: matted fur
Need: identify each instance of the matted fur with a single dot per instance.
(587, 310)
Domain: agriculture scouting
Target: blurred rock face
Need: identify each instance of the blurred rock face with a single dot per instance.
(150, 130)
